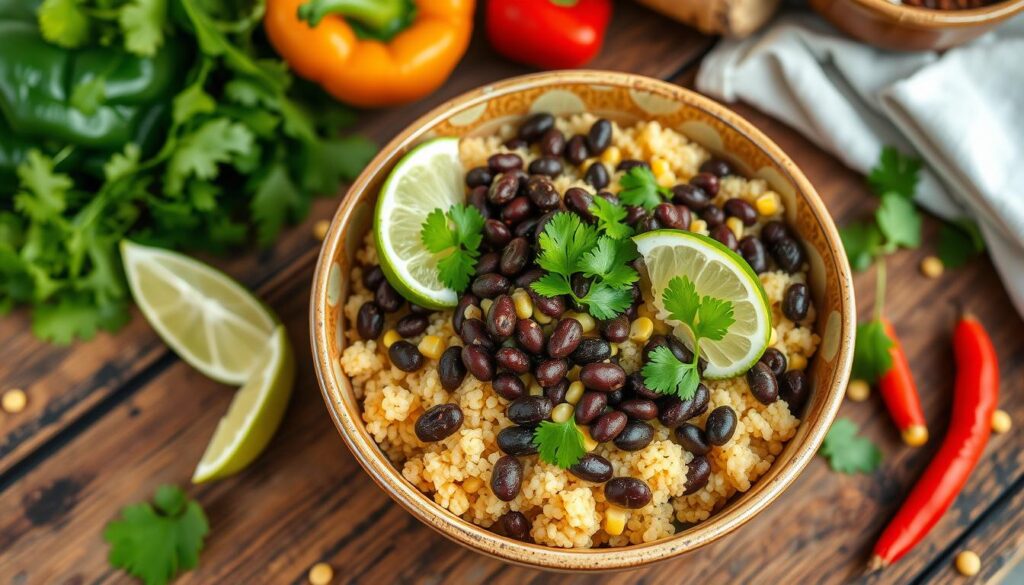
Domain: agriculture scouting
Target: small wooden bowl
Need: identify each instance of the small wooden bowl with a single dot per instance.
(908, 28)
(625, 98)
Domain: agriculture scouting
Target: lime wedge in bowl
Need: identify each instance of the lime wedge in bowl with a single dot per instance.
(429, 177)
(719, 272)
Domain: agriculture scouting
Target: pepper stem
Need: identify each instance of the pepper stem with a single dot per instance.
(380, 16)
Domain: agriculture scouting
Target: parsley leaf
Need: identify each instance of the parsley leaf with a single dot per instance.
(666, 374)
(863, 241)
(895, 173)
(155, 541)
(457, 235)
(610, 218)
(871, 358)
(142, 23)
(64, 23)
(959, 242)
(559, 444)
(848, 453)
(899, 221)
(639, 187)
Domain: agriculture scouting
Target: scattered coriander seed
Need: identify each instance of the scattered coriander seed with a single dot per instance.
(320, 229)
(858, 390)
(14, 400)
(1001, 421)
(320, 574)
(932, 267)
(968, 563)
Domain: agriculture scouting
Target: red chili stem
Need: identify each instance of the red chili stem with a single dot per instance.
(899, 391)
(975, 397)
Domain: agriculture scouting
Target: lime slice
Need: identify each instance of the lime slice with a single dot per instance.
(428, 178)
(254, 414)
(207, 318)
(719, 272)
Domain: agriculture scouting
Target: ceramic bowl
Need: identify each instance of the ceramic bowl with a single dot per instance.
(907, 28)
(625, 98)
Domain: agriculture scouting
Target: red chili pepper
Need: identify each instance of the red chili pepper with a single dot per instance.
(900, 393)
(550, 34)
(974, 400)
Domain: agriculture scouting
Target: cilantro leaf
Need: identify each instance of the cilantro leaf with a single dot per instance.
(871, 358)
(77, 317)
(457, 235)
(714, 317)
(681, 299)
(142, 23)
(64, 23)
(563, 242)
(640, 188)
(155, 541)
(959, 242)
(199, 152)
(707, 317)
(122, 164)
(666, 374)
(336, 160)
(44, 191)
(848, 453)
(895, 173)
(862, 241)
(88, 96)
(192, 101)
(605, 301)
(610, 218)
(275, 201)
(552, 285)
(559, 444)
(899, 221)
(435, 233)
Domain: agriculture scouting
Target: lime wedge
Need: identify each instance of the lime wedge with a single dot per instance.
(428, 178)
(719, 272)
(254, 414)
(207, 318)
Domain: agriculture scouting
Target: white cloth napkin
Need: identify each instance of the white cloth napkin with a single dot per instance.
(961, 111)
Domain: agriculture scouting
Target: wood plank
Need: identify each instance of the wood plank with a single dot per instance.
(66, 383)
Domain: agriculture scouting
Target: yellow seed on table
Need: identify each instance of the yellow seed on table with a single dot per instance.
(767, 204)
(932, 267)
(1001, 421)
(615, 520)
(523, 303)
(735, 225)
(915, 435)
(797, 362)
(432, 346)
(574, 373)
(699, 226)
(641, 329)
(575, 392)
(611, 156)
(968, 563)
(320, 574)
(858, 390)
(485, 305)
(14, 400)
(562, 413)
(588, 442)
(320, 229)
(472, 485)
(390, 337)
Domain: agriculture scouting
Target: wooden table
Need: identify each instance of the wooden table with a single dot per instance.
(111, 419)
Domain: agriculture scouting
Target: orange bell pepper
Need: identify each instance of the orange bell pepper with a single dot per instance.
(319, 44)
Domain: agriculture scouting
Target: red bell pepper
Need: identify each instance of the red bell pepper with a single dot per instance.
(550, 34)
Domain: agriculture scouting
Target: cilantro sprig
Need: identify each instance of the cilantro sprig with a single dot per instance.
(640, 188)
(706, 317)
(455, 236)
(155, 541)
(610, 218)
(559, 444)
(848, 453)
(567, 247)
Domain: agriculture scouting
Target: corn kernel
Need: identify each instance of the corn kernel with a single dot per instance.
(588, 442)
(320, 574)
(1001, 421)
(915, 435)
(611, 156)
(797, 362)
(472, 312)
(14, 400)
(932, 267)
(615, 349)
(432, 346)
(562, 413)
(699, 226)
(527, 379)
(320, 229)
(767, 204)
(586, 165)
(615, 520)
(968, 563)
(523, 303)
(661, 327)
(641, 329)
(573, 374)
(390, 337)
(735, 224)
(536, 389)
(540, 317)
(667, 180)
(659, 167)
(858, 390)
(485, 305)
(472, 485)
(586, 321)
(575, 392)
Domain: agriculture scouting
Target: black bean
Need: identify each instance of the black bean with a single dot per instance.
(679, 349)
(579, 201)
(692, 438)
(514, 144)
(405, 356)
(509, 386)
(706, 182)
(536, 126)
(373, 277)
(507, 478)
(630, 163)
(676, 217)
(552, 143)
(639, 408)
(673, 412)
(597, 176)
(496, 233)
(465, 302)
(550, 372)
(634, 214)
(591, 350)
(479, 176)
(635, 436)
(565, 338)
(516, 211)
(576, 149)
(515, 525)
(615, 398)
(580, 286)
(370, 321)
(529, 410)
(648, 223)
(763, 384)
(527, 278)
(608, 426)
(720, 425)
(489, 285)
(609, 197)
(504, 162)
(752, 250)
(474, 332)
(773, 231)
(501, 318)
(797, 302)
(616, 330)
(693, 197)
(513, 359)
(488, 262)
(478, 362)
(418, 310)
(723, 234)
(516, 441)
(478, 199)
(503, 189)
(603, 377)
(541, 225)
(387, 299)
(526, 228)
(628, 492)
(712, 215)
(698, 471)
(412, 325)
(542, 193)
(550, 306)
(556, 394)
(741, 209)
(794, 389)
(599, 137)
(590, 406)
(775, 360)
(652, 344)
(592, 467)
(788, 254)
(716, 167)
(548, 166)
(450, 368)
(438, 422)
(635, 386)
(530, 336)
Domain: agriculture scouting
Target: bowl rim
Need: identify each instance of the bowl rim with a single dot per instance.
(935, 18)
(389, 478)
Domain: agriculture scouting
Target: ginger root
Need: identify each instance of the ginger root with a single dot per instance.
(734, 18)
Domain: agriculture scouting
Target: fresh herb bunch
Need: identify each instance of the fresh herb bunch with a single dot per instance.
(567, 247)
(238, 156)
(559, 444)
(455, 236)
(706, 317)
(640, 188)
(847, 452)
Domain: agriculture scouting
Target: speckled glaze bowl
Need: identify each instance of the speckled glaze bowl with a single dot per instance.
(624, 98)
(889, 25)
